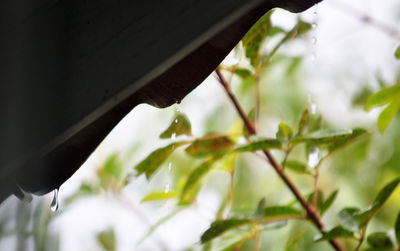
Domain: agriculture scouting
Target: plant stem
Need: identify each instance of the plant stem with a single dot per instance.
(311, 213)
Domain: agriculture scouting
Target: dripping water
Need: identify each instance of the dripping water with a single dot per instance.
(54, 203)
(314, 38)
(314, 156)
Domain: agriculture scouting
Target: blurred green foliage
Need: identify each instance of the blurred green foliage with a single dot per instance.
(337, 171)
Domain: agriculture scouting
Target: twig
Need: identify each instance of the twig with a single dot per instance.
(368, 19)
(311, 213)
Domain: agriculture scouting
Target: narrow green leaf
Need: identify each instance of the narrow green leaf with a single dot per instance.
(387, 115)
(349, 218)
(211, 145)
(254, 38)
(320, 198)
(260, 145)
(107, 239)
(397, 52)
(179, 126)
(111, 172)
(385, 193)
(297, 166)
(278, 211)
(230, 239)
(219, 227)
(243, 73)
(160, 195)
(284, 132)
(260, 208)
(187, 193)
(303, 123)
(382, 97)
(336, 232)
(152, 162)
(328, 202)
(356, 219)
(345, 140)
(397, 228)
(329, 136)
(380, 240)
(302, 27)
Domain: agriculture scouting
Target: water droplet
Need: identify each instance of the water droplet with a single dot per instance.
(54, 202)
(313, 105)
(314, 157)
(167, 188)
(173, 136)
(176, 121)
(315, 12)
(313, 40)
(314, 25)
(169, 167)
(313, 108)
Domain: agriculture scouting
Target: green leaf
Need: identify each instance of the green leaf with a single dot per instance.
(333, 140)
(346, 139)
(328, 202)
(243, 73)
(188, 192)
(302, 27)
(261, 144)
(303, 123)
(107, 239)
(254, 38)
(382, 97)
(328, 136)
(397, 228)
(349, 218)
(152, 162)
(297, 166)
(380, 240)
(336, 232)
(281, 211)
(260, 208)
(220, 226)
(179, 126)
(385, 193)
(111, 172)
(211, 145)
(284, 132)
(353, 218)
(160, 195)
(229, 240)
(397, 52)
(387, 115)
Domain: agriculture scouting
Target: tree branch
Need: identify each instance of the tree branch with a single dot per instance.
(311, 213)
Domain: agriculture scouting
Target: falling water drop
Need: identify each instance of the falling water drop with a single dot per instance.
(54, 202)
(167, 188)
(314, 40)
(169, 167)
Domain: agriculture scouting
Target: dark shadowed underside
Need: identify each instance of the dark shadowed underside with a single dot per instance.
(72, 69)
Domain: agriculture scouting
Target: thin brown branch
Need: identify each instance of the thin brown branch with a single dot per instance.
(311, 213)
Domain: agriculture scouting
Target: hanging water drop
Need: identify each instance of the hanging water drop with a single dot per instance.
(167, 188)
(314, 157)
(54, 202)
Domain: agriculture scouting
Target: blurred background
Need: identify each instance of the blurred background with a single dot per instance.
(348, 54)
